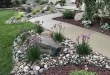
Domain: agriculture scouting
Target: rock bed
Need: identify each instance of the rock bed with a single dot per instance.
(66, 57)
(25, 18)
(28, 16)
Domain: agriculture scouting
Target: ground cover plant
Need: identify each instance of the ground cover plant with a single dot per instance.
(7, 34)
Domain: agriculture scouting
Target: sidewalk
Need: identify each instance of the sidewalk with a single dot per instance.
(98, 41)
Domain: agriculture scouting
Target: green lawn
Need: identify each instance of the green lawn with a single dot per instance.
(7, 34)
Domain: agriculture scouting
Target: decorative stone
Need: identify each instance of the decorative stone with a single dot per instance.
(79, 16)
(41, 70)
(26, 69)
(37, 68)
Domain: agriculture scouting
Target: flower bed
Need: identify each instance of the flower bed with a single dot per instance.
(66, 56)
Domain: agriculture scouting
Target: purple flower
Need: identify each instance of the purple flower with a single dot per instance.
(88, 36)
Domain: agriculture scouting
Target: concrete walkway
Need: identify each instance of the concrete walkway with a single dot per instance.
(98, 41)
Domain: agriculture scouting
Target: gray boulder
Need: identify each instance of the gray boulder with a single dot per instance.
(79, 16)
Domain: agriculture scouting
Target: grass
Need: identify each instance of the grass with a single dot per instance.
(7, 34)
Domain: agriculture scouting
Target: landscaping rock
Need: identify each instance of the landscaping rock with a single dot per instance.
(79, 16)
(64, 56)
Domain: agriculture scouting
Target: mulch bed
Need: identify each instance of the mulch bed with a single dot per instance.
(65, 70)
(95, 24)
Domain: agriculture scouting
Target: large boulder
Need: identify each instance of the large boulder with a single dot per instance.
(79, 16)
(48, 45)
(27, 7)
(52, 47)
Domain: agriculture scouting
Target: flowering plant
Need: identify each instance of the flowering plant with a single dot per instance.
(58, 32)
(83, 47)
(39, 29)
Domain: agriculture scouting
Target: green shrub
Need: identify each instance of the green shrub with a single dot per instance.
(37, 1)
(33, 53)
(82, 72)
(43, 2)
(50, 9)
(83, 48)
(68, 14)
(19, 15)
(57, 33)
(39, 29)
(35, 11)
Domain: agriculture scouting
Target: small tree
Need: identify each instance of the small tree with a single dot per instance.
(5, 3)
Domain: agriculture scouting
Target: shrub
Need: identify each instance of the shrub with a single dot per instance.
(18, 2)
(68, 14)
(33, 53)
(50, 9)
(58, 37)
(19, 15)
(37, 1)
(105, 26)
(43, 2)
(83, 48)
(82, 72)
(39, 29)
(23, 1)
(35, 11)
(87, 23)
(5, 3)
(57, 33)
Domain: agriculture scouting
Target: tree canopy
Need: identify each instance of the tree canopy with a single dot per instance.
(5, 3)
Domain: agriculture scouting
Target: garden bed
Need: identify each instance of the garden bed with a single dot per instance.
(53, 53)
(95, 25)
(65, 70)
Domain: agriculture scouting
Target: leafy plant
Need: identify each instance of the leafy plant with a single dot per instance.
(39, 29)
(23, 1)
(35, 11)
(50, 9)
(105, 26)
(92, 8)
(57, 33)
(83, 48)
(82, 72)
(68, 14)
(86, 23)
(37, 1)
(43, 2)
(58, 37)
(33, 53)
(19, 15)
